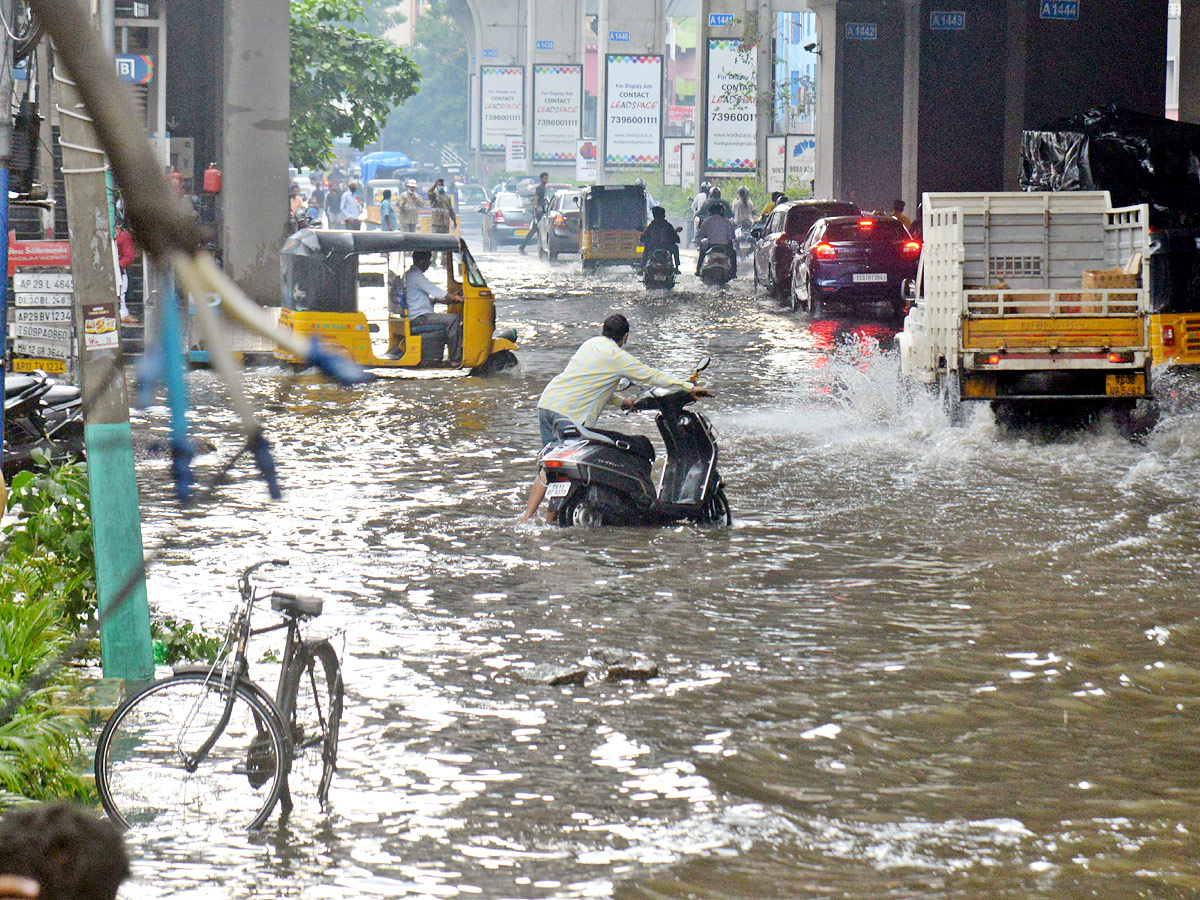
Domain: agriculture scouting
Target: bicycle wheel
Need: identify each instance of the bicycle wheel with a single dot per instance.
(311, 705)
(140, 772)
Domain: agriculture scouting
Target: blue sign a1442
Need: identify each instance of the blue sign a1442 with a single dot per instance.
(861, 31)
(1060, 10)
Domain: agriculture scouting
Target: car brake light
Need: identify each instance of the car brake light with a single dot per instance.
(552, 463)
(865, 224)
(911, 248)
(1122, 357)
(1168, 335)
(498, 217)
(559, 220)
(824, 251)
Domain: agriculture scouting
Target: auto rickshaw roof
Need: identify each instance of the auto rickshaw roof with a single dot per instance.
(335, 243)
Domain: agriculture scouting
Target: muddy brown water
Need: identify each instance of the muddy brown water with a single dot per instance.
(925, 661)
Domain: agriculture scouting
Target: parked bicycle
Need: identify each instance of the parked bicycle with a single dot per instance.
(209, 744)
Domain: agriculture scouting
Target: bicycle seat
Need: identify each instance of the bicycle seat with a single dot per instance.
(296, 604)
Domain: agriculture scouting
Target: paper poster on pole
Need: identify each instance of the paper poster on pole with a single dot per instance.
(557, 112)
(587, 161)
(633, 120)
(776, 163)
(801, 160)
(514, 153)
(687, 167)
(673, 161)
(501, 105)
(732, 106)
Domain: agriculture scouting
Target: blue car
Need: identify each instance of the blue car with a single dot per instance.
(854, 261)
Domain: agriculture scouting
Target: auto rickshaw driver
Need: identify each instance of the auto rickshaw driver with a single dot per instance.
(421, 294)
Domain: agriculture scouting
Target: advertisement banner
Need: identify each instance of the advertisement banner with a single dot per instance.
(633, 120)
(688, 173)
(587, 161)
(501, 105)
(732, 106)
(514, 153)
(557, 112)
(776, 163)
(673, 161)
(801, 160)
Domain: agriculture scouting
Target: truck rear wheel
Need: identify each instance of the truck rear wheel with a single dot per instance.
(950, 389)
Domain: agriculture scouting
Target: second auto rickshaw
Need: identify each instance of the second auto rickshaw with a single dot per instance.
(331, 279)
(612, 219)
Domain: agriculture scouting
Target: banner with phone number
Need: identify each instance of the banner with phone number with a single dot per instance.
(557, 112)
(501, 105)
(633, 120)
(732, 106)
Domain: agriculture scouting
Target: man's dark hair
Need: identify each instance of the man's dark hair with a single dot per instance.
(898, 204)
(422, 259)
(387, 194)
(616, 327)
(70, 853)
(544, 175)
(658, 212)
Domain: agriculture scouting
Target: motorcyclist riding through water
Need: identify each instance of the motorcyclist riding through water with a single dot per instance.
(660, 235)
(715, 231)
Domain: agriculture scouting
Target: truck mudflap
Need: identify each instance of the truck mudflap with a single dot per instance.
(1050, 333)
(1067, 384)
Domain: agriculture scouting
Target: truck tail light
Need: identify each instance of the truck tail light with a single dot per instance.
(1168, 335)
(1125, 356)
(825, 251)
(992, 359)
(911, 248)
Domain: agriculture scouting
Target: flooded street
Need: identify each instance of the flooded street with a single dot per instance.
(925, 661)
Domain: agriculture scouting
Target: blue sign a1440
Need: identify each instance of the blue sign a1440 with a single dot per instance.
(1060, 10)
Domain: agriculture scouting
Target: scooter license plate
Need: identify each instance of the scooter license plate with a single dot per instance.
(558, 489)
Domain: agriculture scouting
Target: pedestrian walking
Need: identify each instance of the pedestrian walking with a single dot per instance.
(349, 207)
(410, 202)
(333, 205)
(387, 212)
(540, 205)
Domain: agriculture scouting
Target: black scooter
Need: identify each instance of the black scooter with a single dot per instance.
(40, 414)
(718, 265)
(659, 271)
(596, 477)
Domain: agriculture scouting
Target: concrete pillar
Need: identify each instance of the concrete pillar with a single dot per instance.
(1016, 47)
(766, 73)
(828, 126)
(255, 147)
(1189, 61)
(910, 143)
(531, 31)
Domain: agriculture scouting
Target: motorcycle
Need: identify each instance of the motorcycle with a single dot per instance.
(743, 241)
(42, 415)
(718, 268)
(597, 477)
(659, 271)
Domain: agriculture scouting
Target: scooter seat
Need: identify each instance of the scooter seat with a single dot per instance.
(637, 444)
(426, 329)
(15, 384)
(61, 393)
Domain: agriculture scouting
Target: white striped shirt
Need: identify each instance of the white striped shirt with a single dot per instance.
(589, 382)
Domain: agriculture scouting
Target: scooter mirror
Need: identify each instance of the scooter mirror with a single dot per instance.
(623, 384)
(703, 364)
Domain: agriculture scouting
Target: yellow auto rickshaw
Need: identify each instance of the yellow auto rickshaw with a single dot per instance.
(333, 279)
(612, 219)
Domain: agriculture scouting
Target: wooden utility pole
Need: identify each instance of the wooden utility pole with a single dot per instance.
(125, 644)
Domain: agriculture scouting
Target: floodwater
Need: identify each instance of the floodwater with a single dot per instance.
(925, 661)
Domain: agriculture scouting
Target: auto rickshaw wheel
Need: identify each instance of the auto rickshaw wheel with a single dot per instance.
(497, 362)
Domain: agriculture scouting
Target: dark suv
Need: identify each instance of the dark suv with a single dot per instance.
(856, 260)
(781, 236)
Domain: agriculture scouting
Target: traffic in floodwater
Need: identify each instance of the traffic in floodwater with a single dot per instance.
(923, 661)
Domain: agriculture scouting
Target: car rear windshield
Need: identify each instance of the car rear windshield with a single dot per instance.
(884, 230)
(510, 201)
(801, 218)
(617, 210)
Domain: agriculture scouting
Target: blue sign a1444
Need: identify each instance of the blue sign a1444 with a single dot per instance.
(1060, 10)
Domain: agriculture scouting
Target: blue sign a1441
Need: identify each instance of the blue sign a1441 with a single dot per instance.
(720, 20)
(1060, 10)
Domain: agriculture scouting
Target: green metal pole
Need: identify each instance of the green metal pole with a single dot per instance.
(125, 644)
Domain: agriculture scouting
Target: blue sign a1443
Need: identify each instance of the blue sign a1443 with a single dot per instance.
(720, 20)
(947, 21)
(1060, 10)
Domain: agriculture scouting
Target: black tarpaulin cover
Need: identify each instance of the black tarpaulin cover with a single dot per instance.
(1137, 158)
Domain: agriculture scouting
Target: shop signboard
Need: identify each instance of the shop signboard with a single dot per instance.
(557, 112)
(501, 105)
(587, 161)
(732, 107)
(673, 161)
(633, 120)
(776, 163)
(801, 160)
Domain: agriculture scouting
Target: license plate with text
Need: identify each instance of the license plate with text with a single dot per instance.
(558, 489)
(870, 278)
(521, 232)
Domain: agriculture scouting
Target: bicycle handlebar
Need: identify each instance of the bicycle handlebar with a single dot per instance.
(244, 581)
